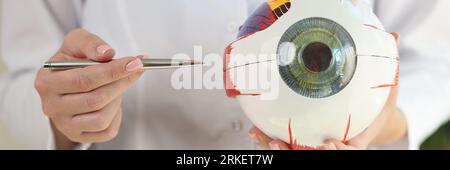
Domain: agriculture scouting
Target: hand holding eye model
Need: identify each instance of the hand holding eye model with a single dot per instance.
(335, 66)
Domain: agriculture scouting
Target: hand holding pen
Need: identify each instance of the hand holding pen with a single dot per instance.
(84, 104)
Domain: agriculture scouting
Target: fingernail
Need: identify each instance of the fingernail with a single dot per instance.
(274, 146)
(254, 138)
(103, 49)
(134, 65)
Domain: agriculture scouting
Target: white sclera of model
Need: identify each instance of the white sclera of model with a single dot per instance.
(340, 116)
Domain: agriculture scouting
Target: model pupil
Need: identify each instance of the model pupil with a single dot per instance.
(317, 57)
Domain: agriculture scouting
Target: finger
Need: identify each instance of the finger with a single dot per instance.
(278, 145)
(105, 135)
(261, 139)
(329, 146)
(363, 139)
(83, 44)
(89, 78)
(99, 120)
(397, 37)
(339, 145)
(392, 98)
(98, 98)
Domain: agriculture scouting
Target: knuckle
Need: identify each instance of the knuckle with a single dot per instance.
(131, 79)
(74, 34)
(49, 109)
(76, 138)
(63, 125)
(111, 133)
(95, 101)
(92, 40)
(70, 34)
(100, 122)
(69, 131)
(83, 82)
(40, 83)
(114, 74)
(128, 80)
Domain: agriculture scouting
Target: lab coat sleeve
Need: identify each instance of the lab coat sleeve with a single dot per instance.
(30, 36)
(425, 81)
(252, 5)
(425, 93)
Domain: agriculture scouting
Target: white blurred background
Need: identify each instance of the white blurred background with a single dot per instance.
(6, 142)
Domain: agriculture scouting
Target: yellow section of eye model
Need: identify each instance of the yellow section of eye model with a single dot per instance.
(274, 4)
(279, 7)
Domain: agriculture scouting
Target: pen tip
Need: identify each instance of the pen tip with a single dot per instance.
(47, 65)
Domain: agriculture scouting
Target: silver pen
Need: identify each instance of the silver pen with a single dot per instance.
(148, 64)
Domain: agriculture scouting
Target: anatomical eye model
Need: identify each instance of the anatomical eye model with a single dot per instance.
(332, 61)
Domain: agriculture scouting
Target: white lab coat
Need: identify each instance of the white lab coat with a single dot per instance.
(158, 117)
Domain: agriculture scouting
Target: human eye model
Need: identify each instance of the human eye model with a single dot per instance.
(332, 60)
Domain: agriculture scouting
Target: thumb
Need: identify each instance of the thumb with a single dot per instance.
(83, 44)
